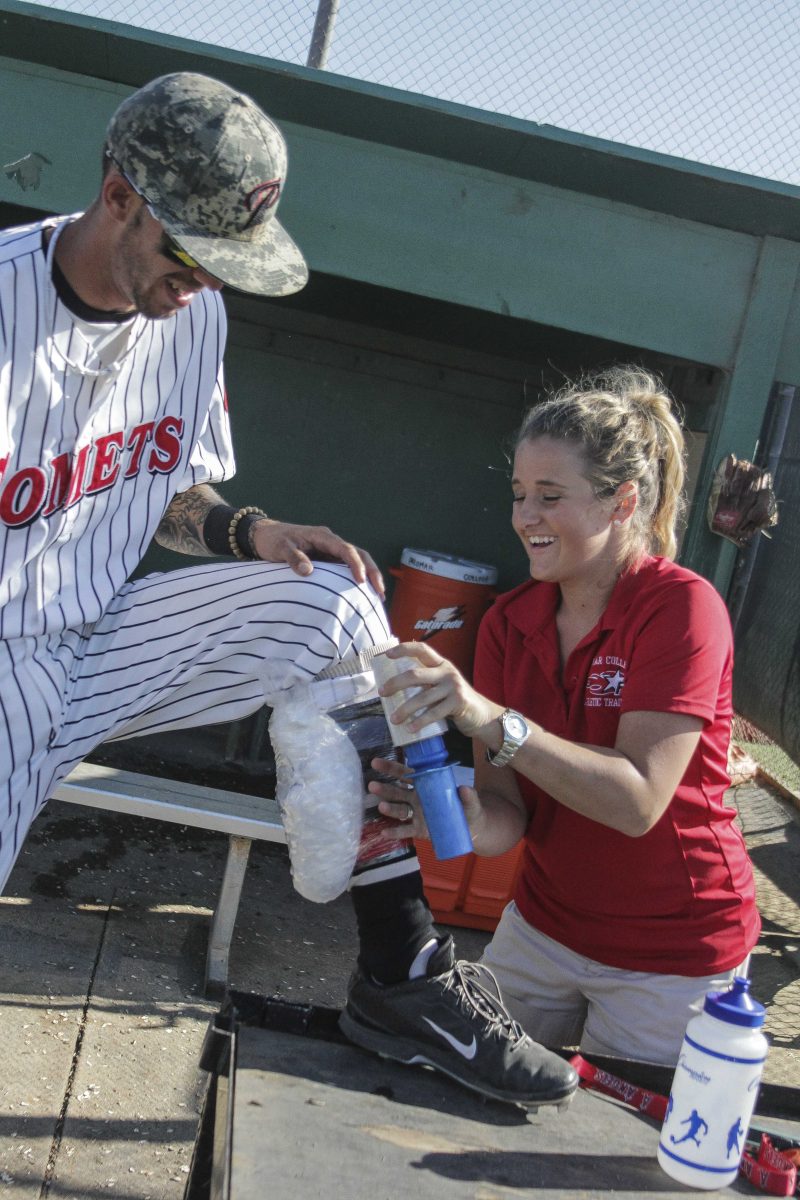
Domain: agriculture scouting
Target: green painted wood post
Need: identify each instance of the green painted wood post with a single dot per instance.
(744, 404)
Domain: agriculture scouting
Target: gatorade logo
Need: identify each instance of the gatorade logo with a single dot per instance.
(442, 619)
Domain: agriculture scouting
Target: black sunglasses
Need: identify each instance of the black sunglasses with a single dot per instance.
(170, 249)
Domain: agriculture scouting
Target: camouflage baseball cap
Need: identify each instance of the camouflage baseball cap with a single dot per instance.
(212, 166)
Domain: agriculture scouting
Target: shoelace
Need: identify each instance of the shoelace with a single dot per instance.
(478, 985)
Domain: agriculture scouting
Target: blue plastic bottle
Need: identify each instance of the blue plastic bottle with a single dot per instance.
(424, 751)
(436, 787)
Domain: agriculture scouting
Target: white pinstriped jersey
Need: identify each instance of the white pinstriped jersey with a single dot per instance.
(92, 452)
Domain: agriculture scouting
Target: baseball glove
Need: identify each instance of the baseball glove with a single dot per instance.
(742, 502)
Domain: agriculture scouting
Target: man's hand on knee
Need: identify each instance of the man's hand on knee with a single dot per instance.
(296, 545)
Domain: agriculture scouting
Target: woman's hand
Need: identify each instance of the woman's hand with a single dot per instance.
(399, 800)
(441, 691)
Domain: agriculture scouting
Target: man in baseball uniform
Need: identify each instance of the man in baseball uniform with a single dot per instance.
(113, 429)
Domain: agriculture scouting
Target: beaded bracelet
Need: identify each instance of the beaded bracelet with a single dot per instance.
(235, 519)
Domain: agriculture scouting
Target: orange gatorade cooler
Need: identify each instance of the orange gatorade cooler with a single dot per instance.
(439, 598)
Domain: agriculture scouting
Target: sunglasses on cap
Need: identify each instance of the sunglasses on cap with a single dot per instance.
(169, 247)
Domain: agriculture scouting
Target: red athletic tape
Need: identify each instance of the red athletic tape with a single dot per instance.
(601, 1081)
(771, 1171)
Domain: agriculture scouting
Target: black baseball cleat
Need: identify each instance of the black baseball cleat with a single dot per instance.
(453, 1019)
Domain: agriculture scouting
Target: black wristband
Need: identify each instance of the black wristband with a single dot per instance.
(244, 529)
(215, 529)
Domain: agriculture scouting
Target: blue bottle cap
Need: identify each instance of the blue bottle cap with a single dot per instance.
(736, 1005)
(426, 752)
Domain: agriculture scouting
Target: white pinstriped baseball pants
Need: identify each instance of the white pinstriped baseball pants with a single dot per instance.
(174, 650)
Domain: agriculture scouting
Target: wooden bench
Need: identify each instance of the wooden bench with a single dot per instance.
(243, 818)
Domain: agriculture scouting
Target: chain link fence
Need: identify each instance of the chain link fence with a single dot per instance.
(714, 81)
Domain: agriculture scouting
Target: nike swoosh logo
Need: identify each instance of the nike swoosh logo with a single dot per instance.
(465, 1049)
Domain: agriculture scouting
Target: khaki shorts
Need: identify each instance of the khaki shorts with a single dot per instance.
(563, 999)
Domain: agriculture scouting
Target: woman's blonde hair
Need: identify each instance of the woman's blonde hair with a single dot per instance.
(623, 422)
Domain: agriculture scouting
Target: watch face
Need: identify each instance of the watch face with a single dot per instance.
(515, 727)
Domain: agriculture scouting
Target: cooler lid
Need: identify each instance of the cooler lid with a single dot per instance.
(736, 1005)
(433, 562)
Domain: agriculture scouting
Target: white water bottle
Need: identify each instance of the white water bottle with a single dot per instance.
(714, 1089)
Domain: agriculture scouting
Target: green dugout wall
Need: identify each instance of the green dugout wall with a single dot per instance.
(460, 261)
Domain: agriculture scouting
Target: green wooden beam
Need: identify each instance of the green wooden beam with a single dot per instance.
(663, 183)
(788, 369)
(452, 232)
(741, 410)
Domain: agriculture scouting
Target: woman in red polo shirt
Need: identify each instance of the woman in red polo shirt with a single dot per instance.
(600, 713)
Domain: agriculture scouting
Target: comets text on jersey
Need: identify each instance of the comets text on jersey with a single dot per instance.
(39, 491)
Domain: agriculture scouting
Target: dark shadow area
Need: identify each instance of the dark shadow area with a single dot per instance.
(573, 1174)
(111, 1129)
(567, 1174)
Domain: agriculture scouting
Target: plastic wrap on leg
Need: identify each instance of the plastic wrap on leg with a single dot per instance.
(320, 791)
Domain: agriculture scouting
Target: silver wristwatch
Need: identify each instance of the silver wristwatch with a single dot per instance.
(515, 734)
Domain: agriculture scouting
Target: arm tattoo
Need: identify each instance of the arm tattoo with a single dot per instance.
(181, 527)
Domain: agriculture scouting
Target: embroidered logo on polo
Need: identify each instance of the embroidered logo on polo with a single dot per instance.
(606, 681)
